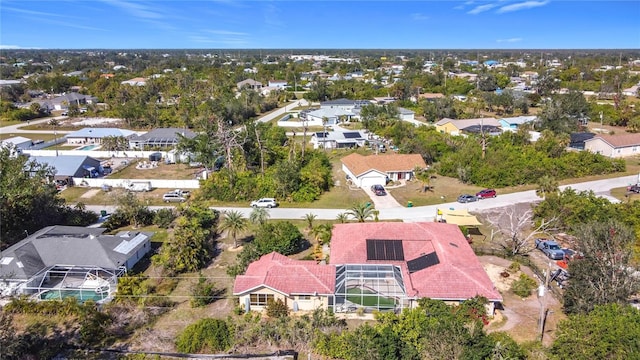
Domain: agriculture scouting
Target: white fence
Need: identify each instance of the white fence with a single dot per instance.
(155, 183)
(96, 153)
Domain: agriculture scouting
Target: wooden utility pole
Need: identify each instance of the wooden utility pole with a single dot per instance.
(542, 297)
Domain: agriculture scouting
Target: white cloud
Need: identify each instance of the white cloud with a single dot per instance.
(522, 6)
(31, 12)
(511, 40)
(136, 9)
(419, 17)
(226, 32)
(481, 8)
(13, 47)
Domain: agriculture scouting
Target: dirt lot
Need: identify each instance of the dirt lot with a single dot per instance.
(519, 317)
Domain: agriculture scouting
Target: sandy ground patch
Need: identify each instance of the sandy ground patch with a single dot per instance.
(519, 317)
(89, 194)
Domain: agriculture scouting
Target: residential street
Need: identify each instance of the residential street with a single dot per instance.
(427, 213)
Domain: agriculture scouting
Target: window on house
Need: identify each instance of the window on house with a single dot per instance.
(261, 299)
(304, 297)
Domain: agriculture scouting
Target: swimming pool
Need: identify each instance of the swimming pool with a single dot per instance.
(88, 147)
(81, 295)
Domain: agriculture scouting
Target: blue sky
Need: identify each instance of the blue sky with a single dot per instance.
(304, 24)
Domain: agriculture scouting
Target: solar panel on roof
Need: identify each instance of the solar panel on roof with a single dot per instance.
(351, 135)
(385, 250)
(422, 262)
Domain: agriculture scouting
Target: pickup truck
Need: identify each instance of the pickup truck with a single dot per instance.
(550, 248)
(183, 193)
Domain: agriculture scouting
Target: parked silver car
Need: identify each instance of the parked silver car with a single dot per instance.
(264, 203)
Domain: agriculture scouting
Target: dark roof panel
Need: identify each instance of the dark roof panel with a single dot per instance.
(390, 250)
(422, 262)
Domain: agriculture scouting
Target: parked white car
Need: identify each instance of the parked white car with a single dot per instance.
(264, 203)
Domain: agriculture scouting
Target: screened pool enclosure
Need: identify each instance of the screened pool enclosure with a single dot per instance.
(371, 287)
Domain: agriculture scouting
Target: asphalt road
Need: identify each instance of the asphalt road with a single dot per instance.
(427, 213)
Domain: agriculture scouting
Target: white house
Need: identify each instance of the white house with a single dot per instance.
(337, 139)
(365, 171)
(614, 146)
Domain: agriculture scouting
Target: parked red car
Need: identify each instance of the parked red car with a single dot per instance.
(486, 193)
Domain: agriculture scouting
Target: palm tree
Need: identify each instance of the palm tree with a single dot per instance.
(310, 218)
(361, 211)
(342, 218)
(259, 216)
(546, 185)
(424, 175)
(235, 223)
(322, 233)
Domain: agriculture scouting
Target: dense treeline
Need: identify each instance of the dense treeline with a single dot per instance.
(498, 161)
(29, 200)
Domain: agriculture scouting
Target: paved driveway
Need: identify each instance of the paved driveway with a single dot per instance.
(382, 202)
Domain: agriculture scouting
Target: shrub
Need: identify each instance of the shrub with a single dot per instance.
(206, 335)
(523, 286)
(202, 293)
(277, 309)
(514, 267)
(163, 218)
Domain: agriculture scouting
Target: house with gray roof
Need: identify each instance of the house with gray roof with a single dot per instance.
(159, 138)
(20, 143)
(62, 261)
(338, 139)
(62, 102)
(329, 116)
(345, 104)
(250, 84)
(513, 123)
(68, 167)
(95, 135)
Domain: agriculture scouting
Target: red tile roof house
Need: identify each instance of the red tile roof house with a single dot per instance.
(365, 171)
(301, 284)
(384, 266)
(614, 145)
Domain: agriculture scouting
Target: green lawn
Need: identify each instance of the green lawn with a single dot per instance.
(4, 123)
(369, 298)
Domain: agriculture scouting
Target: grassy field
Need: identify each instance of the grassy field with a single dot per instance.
(4, 122)
(163, 171)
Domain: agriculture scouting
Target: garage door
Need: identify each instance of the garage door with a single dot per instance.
(368, 180)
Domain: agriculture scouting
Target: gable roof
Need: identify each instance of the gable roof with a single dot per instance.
(519, 120)
(359, 164)
(287, 276)
(16, 140)
(457, 273)
(617, 141)
(463, 123)
(69, 245)
(249, 82)
(66, 165)
(99, 133)
(164, 134)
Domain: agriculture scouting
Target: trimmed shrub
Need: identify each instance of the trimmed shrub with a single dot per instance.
(523, 286)
(206, 335)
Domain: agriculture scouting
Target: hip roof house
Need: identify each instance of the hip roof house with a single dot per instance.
(365, 171)
(614, 145)
(384, 266)
(61, 261)
(159, 138)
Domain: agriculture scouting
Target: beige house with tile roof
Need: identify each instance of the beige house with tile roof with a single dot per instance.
(614, 146)
(366, 171)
